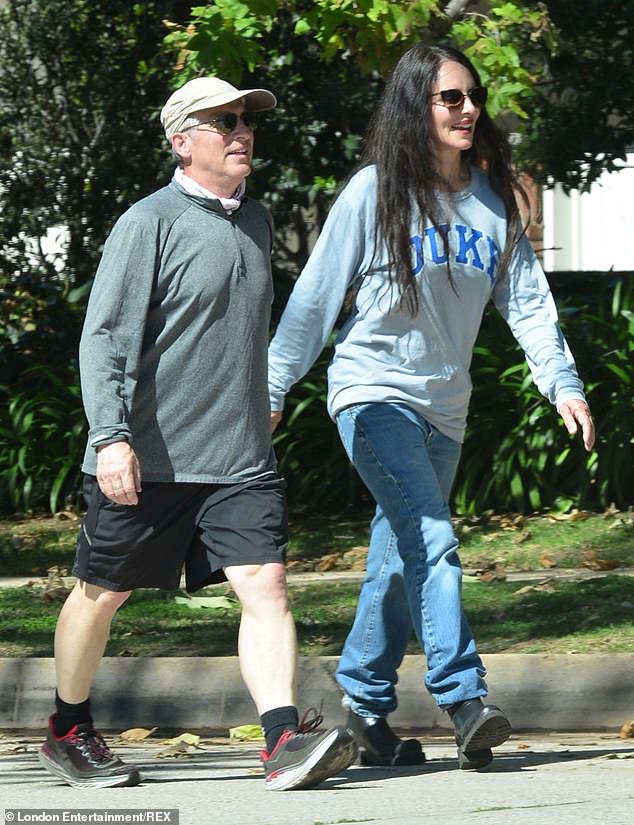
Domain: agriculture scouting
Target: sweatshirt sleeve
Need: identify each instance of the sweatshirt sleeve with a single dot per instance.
(524, 299)
(317, 298)
(112, 335)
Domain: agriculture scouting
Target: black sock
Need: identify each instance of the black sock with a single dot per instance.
(275, 722)
(68, 715)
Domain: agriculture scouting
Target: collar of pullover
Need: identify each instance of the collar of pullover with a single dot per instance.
(229, 204)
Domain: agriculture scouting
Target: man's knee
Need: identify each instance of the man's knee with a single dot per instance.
(100, 599)
(255, 583)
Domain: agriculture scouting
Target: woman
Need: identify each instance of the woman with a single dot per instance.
(424, 234)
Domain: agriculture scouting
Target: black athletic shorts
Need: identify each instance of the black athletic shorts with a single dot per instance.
(205, 527)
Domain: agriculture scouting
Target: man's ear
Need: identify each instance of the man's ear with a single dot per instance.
(181, 144)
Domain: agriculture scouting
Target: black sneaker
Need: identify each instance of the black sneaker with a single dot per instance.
(82, 759)
(474, 760)
(305, 757)
(379, 745)
(478, 728)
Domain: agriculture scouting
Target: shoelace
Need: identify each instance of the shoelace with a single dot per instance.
(93, 746)
(307, 725)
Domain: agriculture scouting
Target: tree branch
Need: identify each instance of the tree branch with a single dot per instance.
(455, 8)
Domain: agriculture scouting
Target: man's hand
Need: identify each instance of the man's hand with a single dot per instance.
(576, 413)
(276, 417)
(119, 472)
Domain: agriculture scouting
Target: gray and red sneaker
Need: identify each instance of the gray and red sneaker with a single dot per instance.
(82, 759)
(305, 757)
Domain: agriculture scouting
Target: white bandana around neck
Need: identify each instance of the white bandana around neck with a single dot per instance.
(229, 204)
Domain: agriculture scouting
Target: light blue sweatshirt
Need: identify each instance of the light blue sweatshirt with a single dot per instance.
(381, 352)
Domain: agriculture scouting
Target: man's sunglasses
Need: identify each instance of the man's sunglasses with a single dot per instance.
(454, 97)
(227, 123)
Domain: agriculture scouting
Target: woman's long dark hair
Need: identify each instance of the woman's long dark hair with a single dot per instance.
(400, 146)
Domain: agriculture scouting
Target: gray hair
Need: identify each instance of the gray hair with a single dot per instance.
(195, 119)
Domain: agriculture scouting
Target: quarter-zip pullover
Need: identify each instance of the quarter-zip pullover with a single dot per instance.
(202, 281)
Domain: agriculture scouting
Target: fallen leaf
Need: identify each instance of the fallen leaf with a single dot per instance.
(523, 537)
(136, 734)
(512, 522)
(574, 515)
(627, 731)
(487, 577)
(180, 750)
(546, 560)
(54, 594)
(592, 560)
(328, 562)
(622, 523)
(607, 564)
(579, 515)
(618, 755)
(543, 586)
(529, 588)
(185, 738)
(208, 602)
(246, 733)
(611, 511)
(7, 750)
(353, 552)
(67, 515)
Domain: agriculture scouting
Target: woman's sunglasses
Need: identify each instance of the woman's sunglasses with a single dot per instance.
(454, 97)
(227, 123)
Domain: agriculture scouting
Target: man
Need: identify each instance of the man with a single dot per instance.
(179, 465)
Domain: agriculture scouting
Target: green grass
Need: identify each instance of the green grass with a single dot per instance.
(517, 542)
(595, 615)
(30, 547)
(587, 616)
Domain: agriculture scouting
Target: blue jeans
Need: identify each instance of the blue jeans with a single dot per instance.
(413, 574)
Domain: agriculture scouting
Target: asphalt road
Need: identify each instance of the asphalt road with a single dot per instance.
(567, 779)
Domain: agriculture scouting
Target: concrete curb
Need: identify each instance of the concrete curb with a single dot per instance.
(577, 692)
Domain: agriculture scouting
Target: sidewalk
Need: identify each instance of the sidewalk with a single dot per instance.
(565, 762)
(567, 779)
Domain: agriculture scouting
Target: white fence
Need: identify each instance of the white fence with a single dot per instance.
(592, 231)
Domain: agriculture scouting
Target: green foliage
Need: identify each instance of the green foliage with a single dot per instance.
(309, 452)
(502, 47)
(228, 36)
(580, 122)
(81, 84)
(517, 453)
(604, 336)
(42, 436)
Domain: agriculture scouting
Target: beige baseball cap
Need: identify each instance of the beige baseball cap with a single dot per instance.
(206, 93)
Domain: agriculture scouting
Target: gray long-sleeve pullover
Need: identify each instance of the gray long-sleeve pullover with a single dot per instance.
(173, 354)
